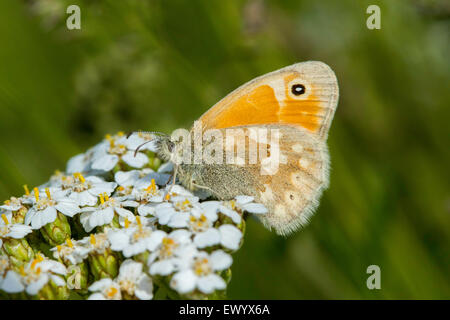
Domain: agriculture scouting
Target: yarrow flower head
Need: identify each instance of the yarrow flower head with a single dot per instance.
(122, 223)
(12, 204)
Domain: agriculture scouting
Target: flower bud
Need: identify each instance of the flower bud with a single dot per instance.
(154, 163)
(18, 250)
(19, 215)
(104, 265)
(53, 292)
(58, 231)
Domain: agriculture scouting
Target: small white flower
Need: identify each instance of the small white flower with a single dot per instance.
(72, 252)
(92, 217)
(133, 281)
(172, 252)
(105, 289)
(236, 207)
(226, 235)
(46, 206)
(141, 187)
(35, 275)
(12, 230)
(13, 204)
(176, 213)
(78, 163)
(148, 191)
(27, 198)
(95, 243)
(246, 203)
(128, 178)
(133, 177)
(135, 239)
(139, 138)
(82, 162)
(201, 224)
(201, 273)
(85, 191)
(118, 148)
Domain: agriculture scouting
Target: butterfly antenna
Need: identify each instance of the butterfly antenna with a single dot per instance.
(140, 146)
(156, 133)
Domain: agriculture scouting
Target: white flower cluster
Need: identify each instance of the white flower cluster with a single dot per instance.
(116, 217)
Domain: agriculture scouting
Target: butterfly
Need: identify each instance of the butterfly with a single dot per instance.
(295, 104)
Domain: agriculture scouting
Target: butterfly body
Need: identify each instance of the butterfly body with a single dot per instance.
(284, 116)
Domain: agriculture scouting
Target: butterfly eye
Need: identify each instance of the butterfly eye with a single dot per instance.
(298, 89)
(171, 146)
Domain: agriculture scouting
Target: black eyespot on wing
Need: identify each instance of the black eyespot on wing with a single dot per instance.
(298, 89)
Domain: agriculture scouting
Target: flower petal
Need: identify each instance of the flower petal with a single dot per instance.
(207, 238)
(105, 162)
(220, 260)
(127, 178)
(144, 288)
(230, 236)
(244, 199)
(184, 281)
(209, 283)
(137, 161)
(255, 208)
(163, 267)
(67, 207)
(235, 217)
(12, 283)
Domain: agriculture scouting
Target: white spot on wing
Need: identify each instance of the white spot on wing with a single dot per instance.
(297, 148)
(304, 163)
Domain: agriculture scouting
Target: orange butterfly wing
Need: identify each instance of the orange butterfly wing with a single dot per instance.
(270, 99)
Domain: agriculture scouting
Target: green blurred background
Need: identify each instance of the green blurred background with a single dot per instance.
(158, 65)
